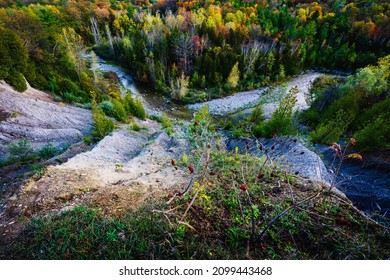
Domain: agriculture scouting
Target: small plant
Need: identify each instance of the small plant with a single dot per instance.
(15, 114)
(134, 107)
(48, 151)
(135, 126)
(107, 107)
(165, 122)
(87, 140)
(332, 130)
(341, 155)
(22, 148)
(37, 170)
(119, 112)
(102, 125)
(281, 122)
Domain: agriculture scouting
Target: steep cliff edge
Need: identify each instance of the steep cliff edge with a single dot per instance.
(33, 115)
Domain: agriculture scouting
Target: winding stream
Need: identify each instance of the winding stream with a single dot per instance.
(155, 104)
(367, 186)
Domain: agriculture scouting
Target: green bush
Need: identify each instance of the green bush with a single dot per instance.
(257, 115)
(310, 116)
(71, 98)
(134, 126)
(281, 122)
(13, 59)
(331, 131)
(71, 91)
(87, 140)
(107, 107)
(102, 125)
(319, 88)
(134, 106)
(119, 112)
(375, 134)
(21, 148)
(48, 151)
(165, 122)
(66, 85)
(139, 109)
(16, 80)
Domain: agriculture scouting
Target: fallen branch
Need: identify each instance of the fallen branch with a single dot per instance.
(285, 211)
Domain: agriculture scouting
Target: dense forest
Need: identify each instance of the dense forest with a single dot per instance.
(196, 50)
(182, 48)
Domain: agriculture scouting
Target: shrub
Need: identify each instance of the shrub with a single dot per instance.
(47, 151)
(139, 109)
(71, 98)
(87, 140)
(102, 125)
(134, 126)
(165, 122)
(119, 112)
(22, 148)
(129, 103)
(310, 116)
(16, 80)
(318, 91)
(257, 115)
(281, 121)
(374, 134)
(71, 91)
(66, 85)
(332, 130)
(134, 106)
(107, 107)
(13, 59)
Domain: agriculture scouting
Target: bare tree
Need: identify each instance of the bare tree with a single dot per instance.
(76, 49)
(183, 49)
(250, 53)
(95, 31)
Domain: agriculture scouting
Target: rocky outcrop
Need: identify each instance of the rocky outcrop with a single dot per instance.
(288, 153)
(35, 116)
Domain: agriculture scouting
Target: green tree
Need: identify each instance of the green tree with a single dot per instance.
(234, 76)
(102, 125)
(13, 59)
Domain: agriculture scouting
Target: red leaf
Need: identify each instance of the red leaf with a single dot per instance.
(191, 168)
(243, 187)
(173, 163)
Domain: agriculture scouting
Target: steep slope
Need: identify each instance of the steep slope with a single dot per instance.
(35, 116)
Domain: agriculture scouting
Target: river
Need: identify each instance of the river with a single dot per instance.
(155, 104)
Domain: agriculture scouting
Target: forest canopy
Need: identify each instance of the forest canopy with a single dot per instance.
(182, 48)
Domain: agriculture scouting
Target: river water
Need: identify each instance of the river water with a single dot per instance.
(154, 103)
(366, 185)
